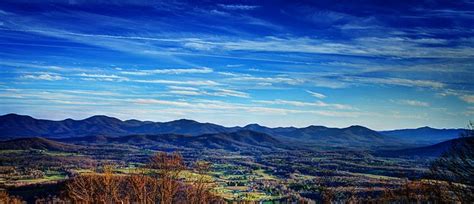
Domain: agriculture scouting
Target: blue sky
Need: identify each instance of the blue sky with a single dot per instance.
(384, 65)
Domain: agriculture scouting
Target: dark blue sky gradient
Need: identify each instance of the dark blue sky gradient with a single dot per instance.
(382, 64)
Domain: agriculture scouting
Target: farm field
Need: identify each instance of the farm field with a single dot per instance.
(253, 177)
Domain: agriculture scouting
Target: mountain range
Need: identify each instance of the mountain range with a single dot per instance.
(236, 141)
(428, 151)
(109, 128)
(425, 135)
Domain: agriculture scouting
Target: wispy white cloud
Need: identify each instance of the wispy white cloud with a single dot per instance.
(264, 84)
(396, 81)
(365, 46)
(76, 102)
(99, 76)
(191, 91)
(412, 103)
(184, 92)
(44, 76)
(468, 98)
(163, 102)
(198, 46)
(62, 97)
(238, 7)
(184, 88)
(469, 111)
(463, 95)
(229, 92)
(272, 80)
(102, 77)
(175, 82)
(302, 103)
(32, 65)
(90, 92)
(234, 65)
(219, 106)
(391, 46)
(2, 12)
(233, 74)
(202, 70)
(315, 94)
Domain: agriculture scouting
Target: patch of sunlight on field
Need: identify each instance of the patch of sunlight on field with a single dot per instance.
(264, 175)
(10, 151)
(190, 176)
(374, 176)
(63, 154)
(237, 188)
(240, 193)
(48, 178)
(84, 171)
(236, 157)
(185, 174)
(303, 176)
(130, 169)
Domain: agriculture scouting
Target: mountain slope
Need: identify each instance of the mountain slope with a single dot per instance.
(424, 135)
(228, 141)
(427, 151)
(13, 125)
(353, 136)
(36, 143)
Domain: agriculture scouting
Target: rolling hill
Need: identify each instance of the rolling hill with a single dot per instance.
(427, 151)
(353, 136)
(227, 141)
(424, 135)
(38, 144)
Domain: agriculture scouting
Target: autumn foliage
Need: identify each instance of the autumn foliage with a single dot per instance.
(159, 182)
(5, 198)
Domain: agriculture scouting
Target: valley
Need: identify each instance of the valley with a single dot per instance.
(244, 175)
(246, 165)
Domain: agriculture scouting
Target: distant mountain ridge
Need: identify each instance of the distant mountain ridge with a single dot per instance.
(355, 136)
(433, 151)
(15, 126)
(425, 135)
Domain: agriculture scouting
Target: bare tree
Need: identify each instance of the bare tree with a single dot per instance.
(141, 187)
(455, 167)
(96, 188)
(108, 186)
(328, 195)
(82, 188)
(5, 198)
(167, 168)
(159, 182)
(200, 190)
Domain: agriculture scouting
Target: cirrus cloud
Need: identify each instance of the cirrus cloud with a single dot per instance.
(44, 76)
